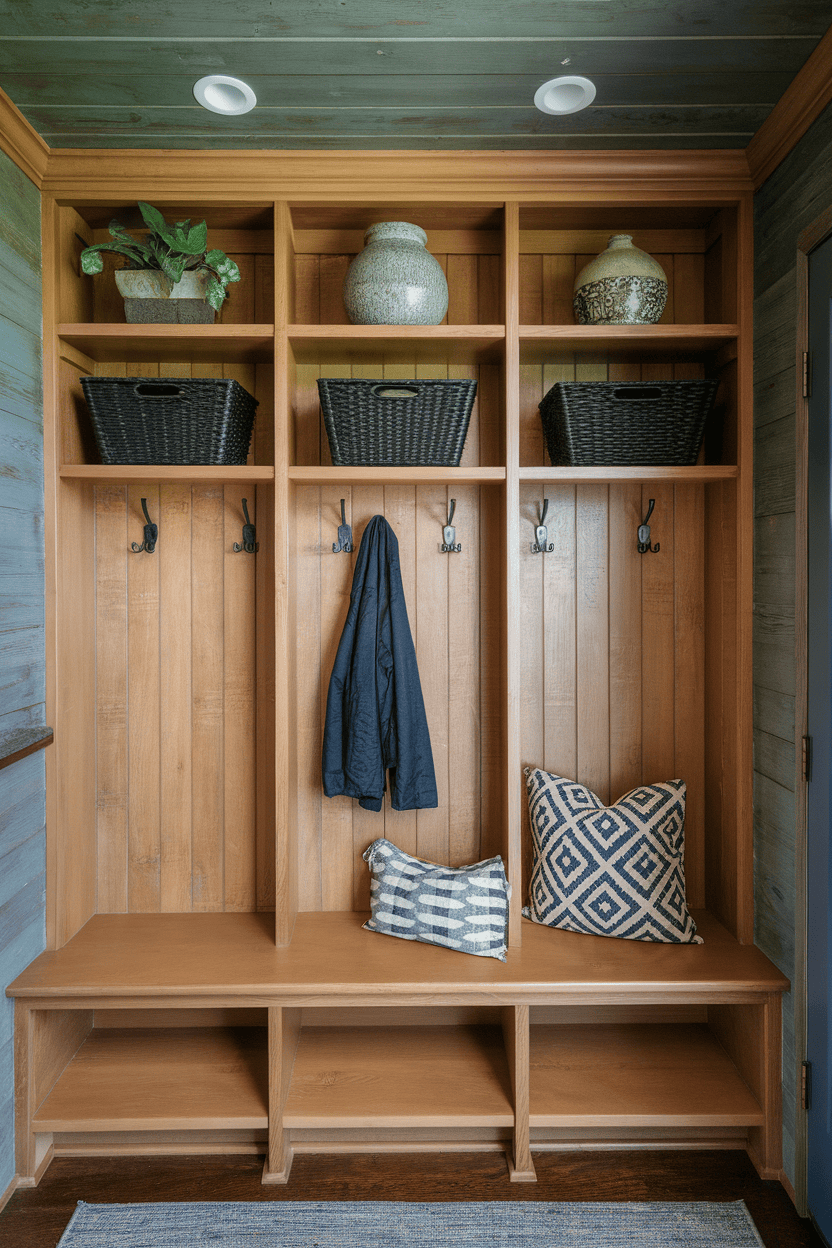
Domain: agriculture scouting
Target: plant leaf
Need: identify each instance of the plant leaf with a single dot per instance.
(196, 240)
(214, 293)
(91, 262)
(139, 256)
(222, 266)
(173, 267)
(152, 217)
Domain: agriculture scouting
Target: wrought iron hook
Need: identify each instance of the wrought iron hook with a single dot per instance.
(541, 545)
(450, 546)
(249, 543)
(344, 542)
(643, 544)
(151, 534)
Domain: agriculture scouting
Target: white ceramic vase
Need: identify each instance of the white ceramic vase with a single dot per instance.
(621, 286)
(395, 280)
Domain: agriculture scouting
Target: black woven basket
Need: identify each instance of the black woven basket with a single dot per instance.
(171, 420)
(400, 423)
(610, 422)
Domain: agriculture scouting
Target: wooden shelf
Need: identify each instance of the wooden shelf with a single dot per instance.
(244, 473)
(538, 342)
(692, 474)
(400, 1077)
(170, 1079)
(328, 475)
(232, 958)
(635, 1075)
(172, 343)
(429, 344)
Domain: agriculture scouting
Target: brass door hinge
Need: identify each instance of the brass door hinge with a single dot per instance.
(806, 388)
(807, 758)
(805, 1084)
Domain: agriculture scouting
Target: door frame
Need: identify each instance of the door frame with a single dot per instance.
(811, 237)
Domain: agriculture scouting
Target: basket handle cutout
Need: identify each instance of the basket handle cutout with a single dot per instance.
(158, 390)
(635, 393)
(396, 392)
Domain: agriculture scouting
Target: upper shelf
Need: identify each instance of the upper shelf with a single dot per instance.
(538, 341)
(201, 474)
(397, 343)
(192, 343)
(694, 474)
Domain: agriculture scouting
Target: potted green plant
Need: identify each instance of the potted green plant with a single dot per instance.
(170, 277)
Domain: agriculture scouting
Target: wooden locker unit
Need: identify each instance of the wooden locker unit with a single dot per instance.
(205, 898)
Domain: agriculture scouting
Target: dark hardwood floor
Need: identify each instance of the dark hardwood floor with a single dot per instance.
(36, 1218)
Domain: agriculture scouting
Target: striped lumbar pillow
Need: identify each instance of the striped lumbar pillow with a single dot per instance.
(464, 908)
(609, 870)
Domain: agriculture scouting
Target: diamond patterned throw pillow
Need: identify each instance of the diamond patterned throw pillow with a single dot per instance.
(609, 870)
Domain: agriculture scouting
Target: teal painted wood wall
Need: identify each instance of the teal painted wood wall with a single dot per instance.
(796, 194)
(22, 651)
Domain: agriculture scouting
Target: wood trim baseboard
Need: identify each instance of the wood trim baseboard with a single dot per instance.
(20, 141)
(800, 104)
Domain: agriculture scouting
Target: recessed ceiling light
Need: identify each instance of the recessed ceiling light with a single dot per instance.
(221, 94)
(564, 95)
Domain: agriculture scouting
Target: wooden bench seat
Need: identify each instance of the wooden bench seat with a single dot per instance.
(232, 958)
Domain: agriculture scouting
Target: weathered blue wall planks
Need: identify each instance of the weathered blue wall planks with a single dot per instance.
(22, 653)
(798, 191)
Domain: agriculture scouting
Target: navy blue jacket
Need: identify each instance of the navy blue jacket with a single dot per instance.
(375, 713)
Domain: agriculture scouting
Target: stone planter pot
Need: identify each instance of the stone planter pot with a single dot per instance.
(150, 298)
(622, 286)
(395, 280)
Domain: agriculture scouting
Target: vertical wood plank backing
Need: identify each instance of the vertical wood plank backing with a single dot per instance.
(143, 701)
(452, 610)
(111, 696)
(492, 662)
(239, 671)
(658, 689)
(400, 506)
(264, 598)
(626, 641)
(189, 824)
(334, 573)
(174, 556)
(208, 698)
(613, 688)
(591, 525)
(689, 661)
(309, 726)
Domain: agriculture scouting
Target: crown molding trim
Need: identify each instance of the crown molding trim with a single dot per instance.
(556, 176)
(20, 141)
(800, 104)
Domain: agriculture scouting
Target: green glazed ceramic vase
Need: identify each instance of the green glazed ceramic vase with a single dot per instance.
(395, 280)
(622, 286)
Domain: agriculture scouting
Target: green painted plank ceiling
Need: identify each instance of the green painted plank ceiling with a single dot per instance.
(395, 74)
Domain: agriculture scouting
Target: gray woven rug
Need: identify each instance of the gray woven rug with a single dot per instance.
(384, 1224)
